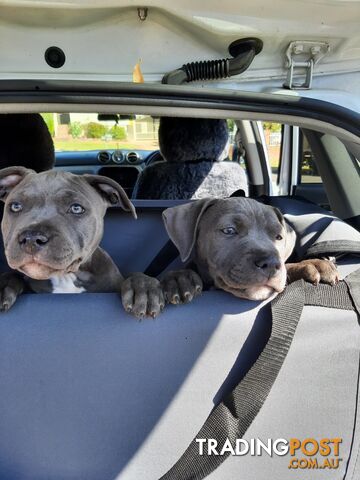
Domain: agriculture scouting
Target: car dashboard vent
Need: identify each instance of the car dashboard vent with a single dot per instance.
(104, 157)
(132, 157)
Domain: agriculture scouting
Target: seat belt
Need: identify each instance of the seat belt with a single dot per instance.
(162, 259)
(231, 418)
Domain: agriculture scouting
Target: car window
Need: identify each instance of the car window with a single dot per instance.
(273, 133)
(205, 157)
(237, 151)
(308, 172)
(90, 131)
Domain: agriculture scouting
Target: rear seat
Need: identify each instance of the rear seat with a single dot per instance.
(88, 392)
(134, 243)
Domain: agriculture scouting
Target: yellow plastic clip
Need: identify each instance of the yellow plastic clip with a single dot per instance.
(137, 75)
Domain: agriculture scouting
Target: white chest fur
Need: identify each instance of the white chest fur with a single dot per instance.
(65, 284)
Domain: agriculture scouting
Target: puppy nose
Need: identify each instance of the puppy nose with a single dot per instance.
(31, 241)
(269, 265)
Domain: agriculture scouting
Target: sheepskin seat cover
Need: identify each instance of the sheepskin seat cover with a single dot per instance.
(194, 166)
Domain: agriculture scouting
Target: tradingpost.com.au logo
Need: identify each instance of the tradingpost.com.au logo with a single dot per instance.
(308, 453)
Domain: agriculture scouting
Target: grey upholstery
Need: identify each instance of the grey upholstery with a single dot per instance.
(194, 151)
(88, 393)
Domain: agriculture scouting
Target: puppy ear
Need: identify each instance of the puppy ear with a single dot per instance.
(182, 222)
(290, 238)
(112, 193)
(10, 177)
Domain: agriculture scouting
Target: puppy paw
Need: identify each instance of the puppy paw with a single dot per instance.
(313, 271)
(181, 286)
(11, 286)
(142, 296)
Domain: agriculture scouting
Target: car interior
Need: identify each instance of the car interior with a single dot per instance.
(131, 166)
(178, 102)
(220, 158)
(87, 391)
(205, 142)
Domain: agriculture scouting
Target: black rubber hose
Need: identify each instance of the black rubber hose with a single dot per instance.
(243, 51)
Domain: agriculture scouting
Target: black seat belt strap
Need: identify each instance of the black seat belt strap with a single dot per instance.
(162, 260)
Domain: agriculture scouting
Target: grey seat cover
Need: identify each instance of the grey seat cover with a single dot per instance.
(89, 393)
(317, 230)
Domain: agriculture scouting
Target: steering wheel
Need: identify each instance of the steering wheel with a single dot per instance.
(154, 157)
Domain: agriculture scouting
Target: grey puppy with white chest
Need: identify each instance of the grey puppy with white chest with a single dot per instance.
(238, 245)
(52, 226)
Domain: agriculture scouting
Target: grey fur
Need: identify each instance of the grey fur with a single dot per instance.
(249, 262)
(51, 245)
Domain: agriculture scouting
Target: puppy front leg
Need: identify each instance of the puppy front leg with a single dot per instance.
(11, 286)
(142, 296)
(314, 270)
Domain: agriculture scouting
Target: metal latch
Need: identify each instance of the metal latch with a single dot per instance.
(303, 55)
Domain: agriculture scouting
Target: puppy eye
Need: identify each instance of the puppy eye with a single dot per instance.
(279, 237)
(76, 209)
(229, 231)
(16, 207)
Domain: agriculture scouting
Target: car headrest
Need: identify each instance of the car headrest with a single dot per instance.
(193, 139)
(25, 141)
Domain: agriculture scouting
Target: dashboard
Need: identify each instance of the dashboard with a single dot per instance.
(123, 166)
(104, 157)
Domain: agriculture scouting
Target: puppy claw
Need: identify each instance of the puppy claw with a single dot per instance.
(181, 286)
(175, 299)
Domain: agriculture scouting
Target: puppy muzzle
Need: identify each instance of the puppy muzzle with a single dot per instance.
(258, 289)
